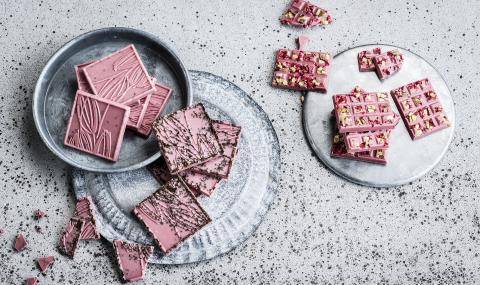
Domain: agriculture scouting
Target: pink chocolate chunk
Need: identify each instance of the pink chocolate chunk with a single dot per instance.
(132, 259)
(20, 243)
(45, 262)
(302, 70)
(420, 108)
(171, 214)
(96, 126)
(339, 150)
(365, 141)
(365, 59)
(360, 111)
(71, 236)
(304, 14)
(388, 64)
(84, 212)
(186, 138)
(120, 77)
(137, 112)
(31, 281)
(155, 106)
(81, 79)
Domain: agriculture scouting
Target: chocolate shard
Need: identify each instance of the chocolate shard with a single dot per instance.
(20, 243)
(81, 80)
(171, 214)
(45, 262)
(132, 259)
(69, 240)
(365, 59)
(31, 281)
(156, 104)
(84, 212)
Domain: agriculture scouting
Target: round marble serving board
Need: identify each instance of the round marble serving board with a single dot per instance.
(57, 84)
(237, 205)
(408, 160)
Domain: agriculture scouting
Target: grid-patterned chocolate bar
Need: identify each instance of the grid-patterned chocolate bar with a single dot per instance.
(360, 111)
(302, 70)
(365, 141)
(339, 150)
(365, 59)
(388, 64)
(420, 108)
(302, 13)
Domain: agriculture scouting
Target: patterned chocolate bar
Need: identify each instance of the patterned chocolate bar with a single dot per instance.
(365, 59)
(69, 240)
(339, 150)
(304, 14)
(137, 112)
(388, 64)
(302, 70)
(156, 104)
(132, 259)
(360, 111)
(420, 108)
(365, 141)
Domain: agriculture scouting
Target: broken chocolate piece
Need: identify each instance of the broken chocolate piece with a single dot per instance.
(171, 214)
(339, 150)
(186, 138)
(132, 259)
(137, 111)
(45, 262)
(388, 64)
(38, 229)
(304, 14)
(40, 214)
(365, 141)
(199, 182)
(155, 106)
(69, 240)
(84, 212)
(96, 126)
(365, 59)
(120, 77)
(81, 79)
(20, 243)
(31, 281)
(420, 108)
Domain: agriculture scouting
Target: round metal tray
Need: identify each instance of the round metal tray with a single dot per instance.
(236, 207)
(56, 87)
(407, 159)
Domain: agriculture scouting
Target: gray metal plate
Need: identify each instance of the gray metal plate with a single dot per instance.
(56, 87)
(407, 160)
(237, 206)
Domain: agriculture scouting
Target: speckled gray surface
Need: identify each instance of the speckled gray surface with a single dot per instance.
(320, 229)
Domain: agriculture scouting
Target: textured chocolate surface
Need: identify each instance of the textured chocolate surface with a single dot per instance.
(81, 79)
(84, 212)
(69, 240)
(137, 111)
(365, 141)
(304, 14)
(158, 101)
(132, 259)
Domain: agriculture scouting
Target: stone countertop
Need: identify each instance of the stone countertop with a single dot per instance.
(321, 228)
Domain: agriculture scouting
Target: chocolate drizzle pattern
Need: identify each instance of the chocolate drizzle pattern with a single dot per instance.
(69, 240)
(155, 106)
(132, 259)
(84, 212)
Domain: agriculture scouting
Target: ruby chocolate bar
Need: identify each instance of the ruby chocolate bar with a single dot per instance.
(365, 59)
(84, 212)
(420, 108)
(302, 13)
(365, 141)
(171, 214)
(132, 259)
(81, 79)
(186, 138)
(71, 236)
(388, 64)
(360, 111)
(96, 126)
(156, 104)
(339, 150)
(301, 70)
(120, 77)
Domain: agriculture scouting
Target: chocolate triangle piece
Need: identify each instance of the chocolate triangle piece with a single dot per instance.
(20, 243)
(31, 281)
(69, 240)
(84, 212)
(132, 259)
(45, 262)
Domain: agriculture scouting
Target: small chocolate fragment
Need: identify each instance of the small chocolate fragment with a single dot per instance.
(132, 259)
(69, 240)
(20, 243)
(84, 212)
(31, 281)
(45, 262)
(156, 104)
(39, 214)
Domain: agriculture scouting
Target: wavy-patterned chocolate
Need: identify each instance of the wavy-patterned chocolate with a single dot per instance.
(137, 112)
(157, 103)
(96, 126)
(186, 138)
(81, 79)
(132, 259)
(84, 212)
(45, 262)
(71, 236)
(120, 77)
(171, 214)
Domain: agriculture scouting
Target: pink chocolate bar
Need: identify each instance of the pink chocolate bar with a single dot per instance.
(304, 14)
(120, 77)
(96, 126)
(132, 259)
(81, 79)
(365, 141)
(420, 108)
(186, 138)
(155, 106)
(71, 236)
(388, 64)
(45, 262)
(137, 112)
(365, 59)
(84, 212)
(171, 214)
(339, 150)
(360, 111)
(301, 70)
